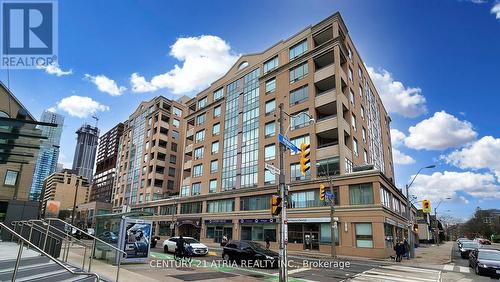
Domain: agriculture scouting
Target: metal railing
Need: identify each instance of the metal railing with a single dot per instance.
(94, 240)
(23, 241)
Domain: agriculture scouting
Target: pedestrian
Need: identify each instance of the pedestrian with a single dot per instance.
(224, 241)
(407, 249)
(268, 244)
(180, 247)
(399, 248)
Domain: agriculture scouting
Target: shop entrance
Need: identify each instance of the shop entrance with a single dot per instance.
(311, 240)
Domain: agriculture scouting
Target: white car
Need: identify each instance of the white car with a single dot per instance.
(199, 249)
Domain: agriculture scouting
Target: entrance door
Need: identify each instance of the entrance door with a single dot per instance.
(311, 240)
(218, 234)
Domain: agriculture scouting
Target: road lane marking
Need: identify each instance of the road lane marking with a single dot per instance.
(449, 267)
(297, 270)
(464, 269)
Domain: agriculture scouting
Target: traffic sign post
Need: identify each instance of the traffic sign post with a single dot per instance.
(274, 170)
(283, 140)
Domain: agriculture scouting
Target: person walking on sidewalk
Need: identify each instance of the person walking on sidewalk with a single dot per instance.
(267, 242)
(407, 249)
(399, 248)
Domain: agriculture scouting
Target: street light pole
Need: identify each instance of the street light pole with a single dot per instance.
(332, 211)
(281, 191)
(436, 219)
(74, 201)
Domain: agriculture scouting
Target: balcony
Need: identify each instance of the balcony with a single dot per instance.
(189, 149)
(187, 165)
(326, 124)
(186, 181)
(325, 98)
(324, 73)
(327, 151)
(190, 133)
(327, 144)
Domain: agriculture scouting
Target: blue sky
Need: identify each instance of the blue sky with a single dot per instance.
(436, 64)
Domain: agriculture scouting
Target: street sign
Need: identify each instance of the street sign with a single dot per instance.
(274, 170)
(283, 140)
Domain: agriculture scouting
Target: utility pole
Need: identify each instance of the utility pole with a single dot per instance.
(333, 223)
(283, 224)
(74, 201)
(410, 223)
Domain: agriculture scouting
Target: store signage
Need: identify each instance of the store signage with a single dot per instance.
(214, 221)
(257, 220)
(310, 219)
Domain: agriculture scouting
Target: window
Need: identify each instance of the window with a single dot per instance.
(197, 170)
(296, 174)
(218, 94)
(198, 153)
(202, 103)
(270, 85)
(175, 134)
(184, 191)
(269, 152)
(350, 74)
(305, 199)
(177, 112)
(349, 52)
(363, 130)
(176, 123)
(362, 112)
(353, 121)
(385, 197)
(195, 189)
(351, 97)
(191, 208)
(328, 167)
(298, 140)
(361, 194)
(173, 159)
(355, 146)
(299, 95)
(365, 156)
(257, 233)
(271, 64)
(270, 106)
(220, 206)
(213, 186)
(360, 91)
(255, 203)
(364, 237)
(215, 147)
(11, 177)
(348, 165)
(269, 178)
(270, 128)
(213, 166)
(173, 147)
(217, 111)
(298, 49)
(171, 171)
(298, 72)
(216, 129)
(201, 119)
(300, 120)
(200, 135)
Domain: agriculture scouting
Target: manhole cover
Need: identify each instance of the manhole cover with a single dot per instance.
(202, 276)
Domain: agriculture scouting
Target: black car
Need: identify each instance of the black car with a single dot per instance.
(249, 253)
(466, 247)
(108, 237)
(485, 262)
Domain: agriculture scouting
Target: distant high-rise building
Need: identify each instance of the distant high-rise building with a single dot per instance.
(85, 151)
(46, 162)
(107, 154)
(59, 167)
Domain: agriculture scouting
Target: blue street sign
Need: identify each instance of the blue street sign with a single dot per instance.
(282, 139)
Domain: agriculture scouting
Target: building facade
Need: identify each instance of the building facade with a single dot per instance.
(85, 151)
(107, 154)
(232, 132)
(150, 153)
(48, 154)
(62, 186)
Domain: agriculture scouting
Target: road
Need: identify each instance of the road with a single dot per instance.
(458, 264)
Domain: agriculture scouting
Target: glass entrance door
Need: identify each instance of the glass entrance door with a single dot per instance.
(311, 240)
(218, 234)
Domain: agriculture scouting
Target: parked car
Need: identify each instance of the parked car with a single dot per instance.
(199, 249)
(467, 247)
(108, 237)
(483, 241)
(250, 252)
(461, 241)
(485, 262)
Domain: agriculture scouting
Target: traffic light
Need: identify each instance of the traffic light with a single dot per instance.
(426, 206)
(415, 227)
(304, 158)
(275, 205)
(322, 192)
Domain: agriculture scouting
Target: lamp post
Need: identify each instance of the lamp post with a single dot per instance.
(74, 200)
(332, 210)
(408, 212)
(436, 218)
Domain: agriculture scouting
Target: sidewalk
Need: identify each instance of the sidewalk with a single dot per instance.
(431, 255)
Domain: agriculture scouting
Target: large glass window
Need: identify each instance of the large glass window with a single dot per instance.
(270, 152)
(213, 186)
(271, 64)
(201, 119)
(220, 206)
(325, 235)
(176, 123)
(200, 135)
(215, 147)
(298, 49)
(300, 120)
(299, 95)
(364, 235)
(177, 112)
(196, 189)
(184, 191)
(305, 199)
(270, 106)
(361, 194)
(218, 94)
(298, 72)
(213, 166)
(270, 85)
(328, 167)
(258, 232)
(269, 178)
(198, 153)
(11, 177)
(299, 140)
(217, 111)
(197, 170)
(385, 197)
(270, 129)
(261, 202)
(202, 103)
(355, 146)
(191, 208)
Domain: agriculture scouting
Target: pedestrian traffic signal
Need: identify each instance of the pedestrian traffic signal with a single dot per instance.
(426, 206)
(275, 205)
(322, 192)
(304, 158)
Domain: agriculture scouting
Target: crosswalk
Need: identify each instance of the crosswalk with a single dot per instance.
(455, 268)
(398, 273)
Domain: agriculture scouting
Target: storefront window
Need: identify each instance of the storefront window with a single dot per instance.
(258, 232)
(262, 202)
(325, 236)
(364, 235)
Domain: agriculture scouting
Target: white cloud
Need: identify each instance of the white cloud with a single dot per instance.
(106, 85)
(496, 10)
(401, 158)
(52, 109)
(55, 70)
(439, 132)
(440, 186)
(398, 98)
(81, 107)
(483, 153)
(205, 59)
(397, 137)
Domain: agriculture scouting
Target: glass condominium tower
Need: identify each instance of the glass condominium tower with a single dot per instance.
(46, 162)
